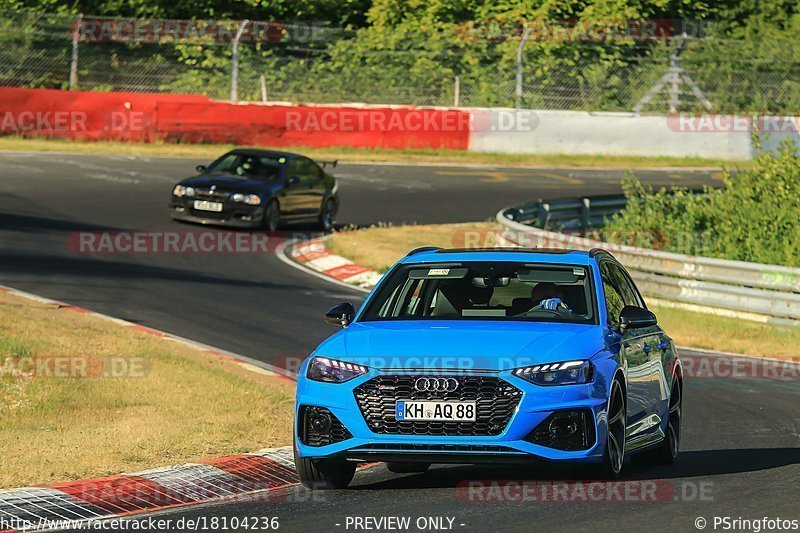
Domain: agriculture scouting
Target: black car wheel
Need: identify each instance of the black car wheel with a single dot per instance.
(327, 214)
(408, 468)
(667, 451)
(322, 473)
(614, 456)
(272, 216)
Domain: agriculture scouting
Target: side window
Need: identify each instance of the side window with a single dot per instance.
(383, 312)
(316, 171)
(612, 293)
(629, 294)
(409, 299)
(294, 168)
(309, 171)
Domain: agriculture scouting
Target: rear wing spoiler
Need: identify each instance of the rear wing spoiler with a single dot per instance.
(331, 163)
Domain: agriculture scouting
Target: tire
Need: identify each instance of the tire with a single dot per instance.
(614, 455)
(323, 473)
(408, 468)
(667, 452)
(272, 216)
(327, 215)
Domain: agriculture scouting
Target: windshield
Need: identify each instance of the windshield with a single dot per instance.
(248, 166)
(486, 291)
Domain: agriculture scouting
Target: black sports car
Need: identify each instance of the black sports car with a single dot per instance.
(248, 188)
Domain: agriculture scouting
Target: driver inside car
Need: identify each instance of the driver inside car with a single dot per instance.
(248, 166)
(547, 296)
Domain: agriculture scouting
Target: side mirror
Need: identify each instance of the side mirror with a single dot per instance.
(340, 314)
(200, 169)
(636, 317)
(292, 180)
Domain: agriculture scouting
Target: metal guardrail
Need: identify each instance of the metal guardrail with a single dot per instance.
(570, 214)
(767, 293)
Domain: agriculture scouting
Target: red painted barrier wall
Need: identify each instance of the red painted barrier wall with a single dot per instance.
(191, 118)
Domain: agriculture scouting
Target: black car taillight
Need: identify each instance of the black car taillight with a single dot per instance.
(317, 426)
(565, 430)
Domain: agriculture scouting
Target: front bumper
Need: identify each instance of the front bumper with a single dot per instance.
(235, 216)
(508, 445)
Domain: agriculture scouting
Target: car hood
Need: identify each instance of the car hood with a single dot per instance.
(226, 182)
(475, 345)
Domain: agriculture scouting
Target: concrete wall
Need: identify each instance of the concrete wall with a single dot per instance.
(191, 118)
(141, 117)
(624, 134)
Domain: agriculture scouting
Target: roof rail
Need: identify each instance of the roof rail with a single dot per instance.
(423, 249)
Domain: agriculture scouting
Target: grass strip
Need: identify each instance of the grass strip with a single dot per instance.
(84, 397)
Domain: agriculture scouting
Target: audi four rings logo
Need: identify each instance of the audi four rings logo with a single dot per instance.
(436, 384)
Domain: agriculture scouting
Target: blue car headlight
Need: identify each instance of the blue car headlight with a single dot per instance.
(333, 371)
(568, 373)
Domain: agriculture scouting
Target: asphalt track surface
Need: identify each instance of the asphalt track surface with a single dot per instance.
(741, 441)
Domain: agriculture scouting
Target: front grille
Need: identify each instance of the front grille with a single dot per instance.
(208, 194)
(496, 401)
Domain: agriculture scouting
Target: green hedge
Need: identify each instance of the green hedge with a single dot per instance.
(756, 217)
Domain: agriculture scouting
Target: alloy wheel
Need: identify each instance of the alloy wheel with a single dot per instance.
(674, 423)
(616, 428)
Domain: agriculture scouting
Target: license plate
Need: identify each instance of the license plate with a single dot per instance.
(203, 205)
(447, 411)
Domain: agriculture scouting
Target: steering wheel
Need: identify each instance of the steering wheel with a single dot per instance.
(560, 310)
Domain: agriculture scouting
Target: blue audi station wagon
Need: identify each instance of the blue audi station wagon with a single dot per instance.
(490, 356)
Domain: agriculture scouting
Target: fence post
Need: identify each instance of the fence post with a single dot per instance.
(73, 64)
(544, 214)
(235, 62)
(263, 89)
(518, 88)
(457, 92)
(585, 214)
